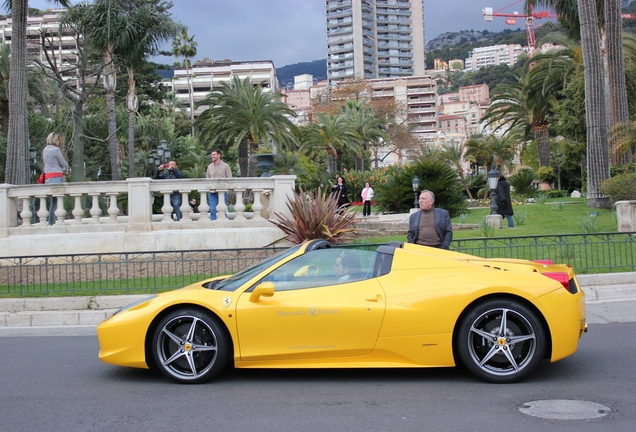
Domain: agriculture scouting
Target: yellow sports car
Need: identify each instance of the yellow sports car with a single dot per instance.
(319, 306)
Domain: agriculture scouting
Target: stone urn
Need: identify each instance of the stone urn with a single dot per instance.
(265, 162)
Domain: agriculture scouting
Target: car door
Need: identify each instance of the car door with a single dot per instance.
(309, 316)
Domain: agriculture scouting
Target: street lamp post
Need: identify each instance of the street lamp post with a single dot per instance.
(33, 158)
(416, 186)
(158, 156)
(493, 178)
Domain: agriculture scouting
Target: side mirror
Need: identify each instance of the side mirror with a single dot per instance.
(266, 289)
(308, 270)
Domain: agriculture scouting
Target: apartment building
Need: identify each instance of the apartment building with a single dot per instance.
(207, 74)
(374, 39)
(43, 35)
(493, 55)
(476, 94)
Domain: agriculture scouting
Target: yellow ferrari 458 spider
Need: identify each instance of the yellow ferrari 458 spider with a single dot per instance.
(319, 306)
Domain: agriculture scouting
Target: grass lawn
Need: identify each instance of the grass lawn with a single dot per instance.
(571, 217)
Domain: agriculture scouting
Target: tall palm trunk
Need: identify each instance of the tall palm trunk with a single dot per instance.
(17, 165)
(243, 157)
(110, 85)
(616, 72)
(597, 148)
(132, 104)
(77, 145)
(191, 93)
(542, 137)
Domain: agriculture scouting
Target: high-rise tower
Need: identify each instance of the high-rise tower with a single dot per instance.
(374, 38)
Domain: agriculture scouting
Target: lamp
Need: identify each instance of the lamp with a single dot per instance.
(493, 178)
(33, 153)
(416, 186)
(158, 156)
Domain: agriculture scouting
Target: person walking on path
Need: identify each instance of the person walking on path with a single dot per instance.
(217, 169)
(54, 168)
(430, 226)
(367, 196)
(339, 191)
(504, 205)
(169, 171)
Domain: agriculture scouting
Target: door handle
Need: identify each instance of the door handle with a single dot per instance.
(377, 298)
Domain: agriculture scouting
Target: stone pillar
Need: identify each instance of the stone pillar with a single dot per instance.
(284, 189)
(626, 215)
(9, 212)
(139, 204)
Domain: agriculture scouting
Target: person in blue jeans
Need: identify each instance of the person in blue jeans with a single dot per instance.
(54, 167)
(504, 205)
(217, 169)
(169, 171)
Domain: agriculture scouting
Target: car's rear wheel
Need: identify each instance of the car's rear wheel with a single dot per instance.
(501, 341)
(190, 346)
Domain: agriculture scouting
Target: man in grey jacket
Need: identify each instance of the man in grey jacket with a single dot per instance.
(430, 226)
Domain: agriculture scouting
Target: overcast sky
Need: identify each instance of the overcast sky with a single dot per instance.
(292, 31)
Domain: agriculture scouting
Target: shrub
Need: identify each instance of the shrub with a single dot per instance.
(486, 229)
(315, 217)
(522, 180)
(520, 217)
(555, 193)
(442, 180)
(620, 188)
(546, 174)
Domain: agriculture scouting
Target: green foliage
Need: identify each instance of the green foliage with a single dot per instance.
(589, 225)
(395, 195)
(620, 188)
(546, 174)
(560, 206)
(486, 229)
(522, 180)
(542, 198)
(438, 177)
(315, 216)
(520, 217)
(555, 193)
(462, 218)
(476, 183)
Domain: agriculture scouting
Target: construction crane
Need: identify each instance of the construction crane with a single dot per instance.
(511, 19)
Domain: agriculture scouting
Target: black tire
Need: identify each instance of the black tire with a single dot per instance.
(190, 346)
(501, 356)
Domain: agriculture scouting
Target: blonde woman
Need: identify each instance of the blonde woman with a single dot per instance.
(54, 167)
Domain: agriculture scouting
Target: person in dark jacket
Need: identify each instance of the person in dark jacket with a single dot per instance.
(430, 226)
(504, 205)
(339, 191)
(169, 171)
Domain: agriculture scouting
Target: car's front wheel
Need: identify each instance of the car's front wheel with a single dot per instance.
(501, 341)
(190, 346)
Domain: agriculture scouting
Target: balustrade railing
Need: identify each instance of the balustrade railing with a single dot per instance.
(130, 202)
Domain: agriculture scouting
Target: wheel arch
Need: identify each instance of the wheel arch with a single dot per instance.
(157, 319)
(502, 296)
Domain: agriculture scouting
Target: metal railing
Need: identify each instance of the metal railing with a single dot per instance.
(587, 253)
(151, 272)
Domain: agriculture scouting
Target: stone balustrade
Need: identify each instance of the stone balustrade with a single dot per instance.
(117, 207)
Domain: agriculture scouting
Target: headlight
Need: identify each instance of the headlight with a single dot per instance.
(138, 302)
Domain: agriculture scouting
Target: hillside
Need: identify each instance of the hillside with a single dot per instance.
(317, 68)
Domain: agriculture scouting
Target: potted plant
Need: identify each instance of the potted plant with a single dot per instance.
(248, 213)
(231, 213)
(546, 176)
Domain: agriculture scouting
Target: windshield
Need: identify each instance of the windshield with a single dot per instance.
(237, 280)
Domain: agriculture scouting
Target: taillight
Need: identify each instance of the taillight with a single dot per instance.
(560, 277)
(546, 262)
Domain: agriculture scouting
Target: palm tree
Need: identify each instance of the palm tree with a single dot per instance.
(17, 164)
(365, 127)
(5, 51)
(454, 153)
(333, 133)
(246, 115)
(524, 106)
(185, 46)
(126, 32)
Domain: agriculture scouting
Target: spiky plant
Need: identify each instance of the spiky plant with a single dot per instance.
(315, 217)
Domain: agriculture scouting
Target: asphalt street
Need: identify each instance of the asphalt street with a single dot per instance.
(58, 384)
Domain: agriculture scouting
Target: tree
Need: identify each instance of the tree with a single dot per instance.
(454, 153)
(332, 133)
(186, 47)
(367, 129)
(247, 115)
(17, 164)
(522, 107)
